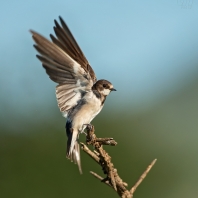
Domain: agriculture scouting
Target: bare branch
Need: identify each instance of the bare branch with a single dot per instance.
(101, 178)
(112, 178)
(142, 176)
(89, 152)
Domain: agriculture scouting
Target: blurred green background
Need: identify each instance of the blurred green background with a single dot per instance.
(149, 52)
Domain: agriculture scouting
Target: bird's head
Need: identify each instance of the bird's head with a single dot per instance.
(104, 87)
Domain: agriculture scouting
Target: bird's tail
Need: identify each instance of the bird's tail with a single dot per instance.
(73, 149)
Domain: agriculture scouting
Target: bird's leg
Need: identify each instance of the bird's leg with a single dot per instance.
(91, 137)
(88, 126)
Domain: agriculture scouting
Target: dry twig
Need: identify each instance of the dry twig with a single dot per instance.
(112, 178)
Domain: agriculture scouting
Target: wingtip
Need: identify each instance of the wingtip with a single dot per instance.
(60, 18)
(56, 24)
(52, 37)
(62, 21)
(34, 34)
(38, 56)
(31, 31)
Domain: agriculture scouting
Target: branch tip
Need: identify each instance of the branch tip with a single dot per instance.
(142, 177)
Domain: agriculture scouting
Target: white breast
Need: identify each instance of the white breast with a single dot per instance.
(87, 112)
(93, 105)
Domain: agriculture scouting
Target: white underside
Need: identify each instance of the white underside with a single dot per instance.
(87, 112)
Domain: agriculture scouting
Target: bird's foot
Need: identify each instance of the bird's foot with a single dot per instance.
(88, 126)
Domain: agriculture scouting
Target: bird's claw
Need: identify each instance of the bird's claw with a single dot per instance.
(88, 126)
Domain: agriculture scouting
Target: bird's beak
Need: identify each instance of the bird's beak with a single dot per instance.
(113, 89)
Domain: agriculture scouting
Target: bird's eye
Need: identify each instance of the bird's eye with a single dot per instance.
(104, 85)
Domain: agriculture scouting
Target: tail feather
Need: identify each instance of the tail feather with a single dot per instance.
(76, 156)
(73, 149)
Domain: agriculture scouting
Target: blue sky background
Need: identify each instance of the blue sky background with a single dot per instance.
(147, 49)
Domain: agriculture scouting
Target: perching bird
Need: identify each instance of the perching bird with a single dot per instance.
(79, 95)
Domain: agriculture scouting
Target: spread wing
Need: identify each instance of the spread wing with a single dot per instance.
(66, 65)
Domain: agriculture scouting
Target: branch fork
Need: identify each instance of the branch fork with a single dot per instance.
(112, 178)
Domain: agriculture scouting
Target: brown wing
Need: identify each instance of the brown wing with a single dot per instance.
(63, 62)
(67, 43)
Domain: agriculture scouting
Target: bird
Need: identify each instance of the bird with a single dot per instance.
(80, 96)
